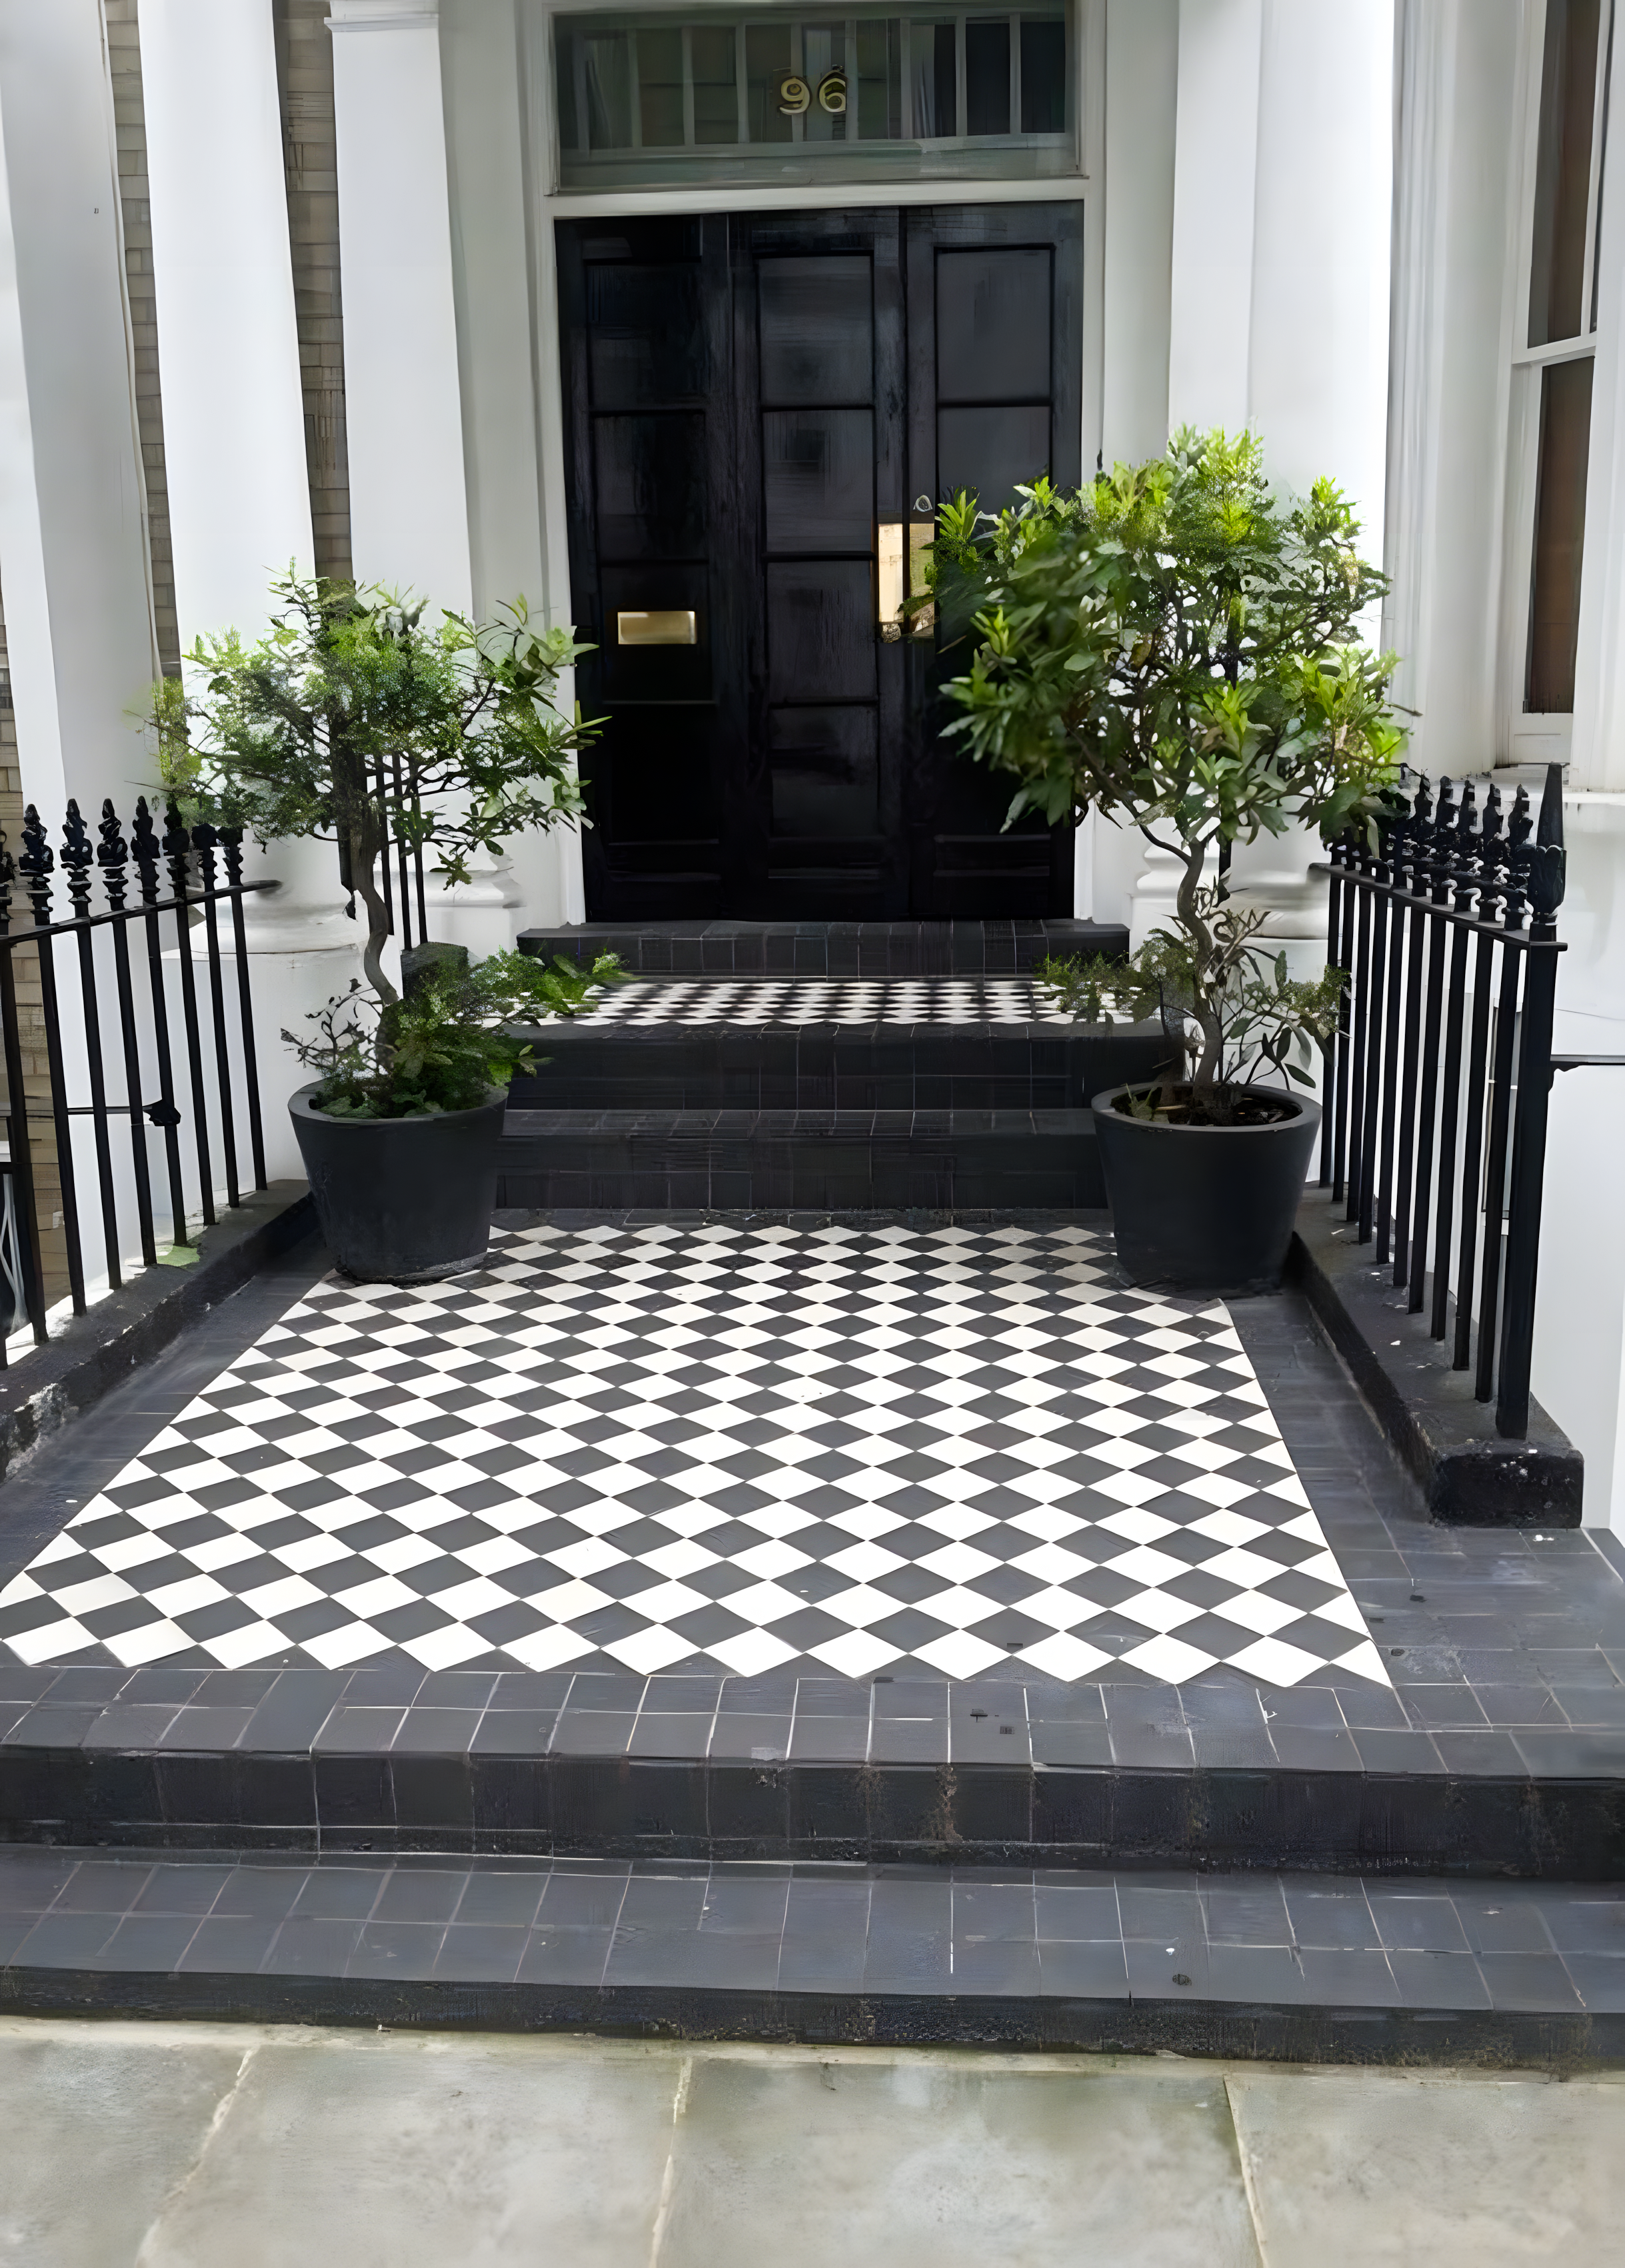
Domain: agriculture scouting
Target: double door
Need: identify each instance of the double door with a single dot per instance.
(762, 410)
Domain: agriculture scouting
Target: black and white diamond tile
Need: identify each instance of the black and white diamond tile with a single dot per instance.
(836, 1000)
(840, 1448)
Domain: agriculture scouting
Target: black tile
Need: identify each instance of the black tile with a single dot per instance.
(564, 1957)
(152, 1943)
(340, 1893)
(482, 1952)
(1084, 1970)
(401, 1949)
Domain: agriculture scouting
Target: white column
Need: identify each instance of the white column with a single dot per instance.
(234, 440)
(73, 540)
(408, 492)
(1282, 216)
(1215, 169)
(408, 479)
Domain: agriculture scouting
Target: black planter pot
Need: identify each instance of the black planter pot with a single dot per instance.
(1205, 1208)
(402, 1200)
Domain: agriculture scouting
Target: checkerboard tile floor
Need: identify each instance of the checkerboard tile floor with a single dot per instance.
(835, 1448)
(837, 1000)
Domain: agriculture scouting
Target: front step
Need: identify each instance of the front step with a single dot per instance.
(835, 1160)
(908, 1770)
(808, 948)
(617, 1061)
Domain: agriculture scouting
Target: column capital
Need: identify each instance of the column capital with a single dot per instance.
(383, 15)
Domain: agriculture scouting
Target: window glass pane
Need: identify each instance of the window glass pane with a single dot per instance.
(1043, 74)
(880, 81)
(1559, 535)
(933, 48)
(878, 94)
(1562, 170)
(766, 61)
(716, 96)
(660, 88)
(608, 71)
(823, 52)
(986, 77)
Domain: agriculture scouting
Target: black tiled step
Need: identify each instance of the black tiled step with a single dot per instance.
(844, 1067)
(814, 1159)
(724, 949)
(779, 1769)
(1305, 1967)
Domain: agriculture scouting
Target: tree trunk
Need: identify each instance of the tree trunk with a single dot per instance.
(1211, 1059)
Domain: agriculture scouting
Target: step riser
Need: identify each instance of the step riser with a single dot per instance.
(919, 1067)
(968, 948)
(626, 1808)
(848, 1169)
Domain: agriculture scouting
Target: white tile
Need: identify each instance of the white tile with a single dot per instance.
(856, 1653)
(99, 1591)
(375, 1597)
(249, 1642)
(282, 1597)
(1276, 1661)
(150, 1642)
(344, 1648)
(960, 1655)
(649, 1651)
(1064, 1656)
(1170, 1659)
(446, 1647)
(186, 1595)
(479, 1596)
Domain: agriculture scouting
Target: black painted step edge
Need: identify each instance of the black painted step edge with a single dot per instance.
(1543, 1828)
(1469, 1475)
(1490, 2039)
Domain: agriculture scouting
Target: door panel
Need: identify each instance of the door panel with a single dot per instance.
(818, 480)
(993, 325)
(816, 324)
(650, 476)
(826, 772)
(990, 451)
(820, 629)
(748, 397)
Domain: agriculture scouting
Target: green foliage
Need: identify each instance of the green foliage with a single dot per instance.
(1268, 1021)
(458, 1033)
(1177, 647)
(353, 719)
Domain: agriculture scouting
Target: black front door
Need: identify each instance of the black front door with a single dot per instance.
(756, 403)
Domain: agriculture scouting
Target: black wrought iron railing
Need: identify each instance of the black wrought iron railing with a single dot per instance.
(148, 1083)
(1438, 1080)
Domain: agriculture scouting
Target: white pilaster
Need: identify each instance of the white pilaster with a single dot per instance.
(73, 540)
(234, 438)
(1282, 217)
(1215, 174)
(408, 491)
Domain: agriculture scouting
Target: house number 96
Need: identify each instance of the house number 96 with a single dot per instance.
(796, 96)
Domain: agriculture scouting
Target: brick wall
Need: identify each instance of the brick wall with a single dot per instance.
(304, 76)
(130, 129)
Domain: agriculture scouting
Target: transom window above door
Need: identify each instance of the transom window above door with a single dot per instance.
(859, 95)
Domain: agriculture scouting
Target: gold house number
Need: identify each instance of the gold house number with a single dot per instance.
(796, 96)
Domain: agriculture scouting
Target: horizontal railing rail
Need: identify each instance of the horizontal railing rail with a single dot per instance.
(1443, 918)
(177, 1060)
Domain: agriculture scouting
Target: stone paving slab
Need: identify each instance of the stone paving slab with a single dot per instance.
(271, 2148)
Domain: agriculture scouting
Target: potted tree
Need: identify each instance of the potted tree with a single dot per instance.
(352, 720)
(1179, 647)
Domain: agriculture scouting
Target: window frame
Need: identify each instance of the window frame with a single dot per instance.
(1540, 736)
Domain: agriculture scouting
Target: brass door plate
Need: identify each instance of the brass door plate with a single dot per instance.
(673, 627)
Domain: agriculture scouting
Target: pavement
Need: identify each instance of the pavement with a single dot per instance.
(188, 2147)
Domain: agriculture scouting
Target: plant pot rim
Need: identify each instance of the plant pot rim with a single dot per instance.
(302, 1104)
(1303, 1107)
